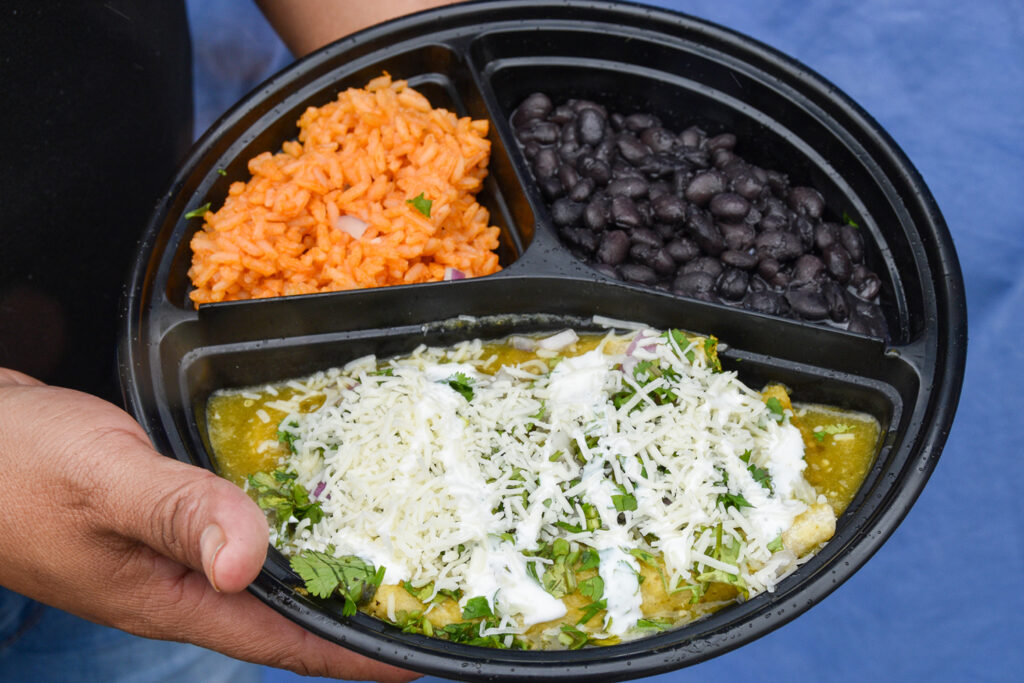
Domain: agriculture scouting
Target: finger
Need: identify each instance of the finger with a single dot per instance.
(208, 618)
(187, 514)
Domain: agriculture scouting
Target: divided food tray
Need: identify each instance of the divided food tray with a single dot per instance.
(481, 60)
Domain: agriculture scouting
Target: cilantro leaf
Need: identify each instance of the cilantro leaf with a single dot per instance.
(476, 608)
(592, 588)
(198, 213)
(849, 221)
(760, 475)
(590, 611)
(421, 204)
(775, 406)
(462, 384)
(351, 577)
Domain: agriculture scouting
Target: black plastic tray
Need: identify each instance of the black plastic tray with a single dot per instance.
(481, 59)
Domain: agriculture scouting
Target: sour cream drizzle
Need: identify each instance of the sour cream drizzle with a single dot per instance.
(461, 491)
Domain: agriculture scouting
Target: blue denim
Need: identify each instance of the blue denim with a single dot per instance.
(40, 644)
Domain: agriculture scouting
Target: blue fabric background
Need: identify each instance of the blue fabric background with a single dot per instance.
(942, 600)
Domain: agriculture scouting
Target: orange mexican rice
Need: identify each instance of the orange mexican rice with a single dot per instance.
(378, 190)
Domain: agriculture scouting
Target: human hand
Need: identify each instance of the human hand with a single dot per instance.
(97, 523)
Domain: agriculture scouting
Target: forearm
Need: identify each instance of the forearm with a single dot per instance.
(305, 25)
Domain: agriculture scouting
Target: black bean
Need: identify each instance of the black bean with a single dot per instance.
(568, 175)
(646, 236)
(778, 183)
(663, 263)
(551, 188)
(723, 141)
(703, 264)
(665, 231)
(625, 213)
(870, 287)
(561, 114)
(704, 186)
(658, 166)
(805, 229)
(838, 310)
(642, 253)
(658, 188)
(616, 121)
(807, 268)
(535, 106)
(669, 208)
(597, 213)
(732, 284)
(696, 285)
(590, 126)
(806, 201)
(867, 319)
(586, 240)
(753, 217)
(781, 279)
(768, 267)
(859, 274)
(838, 263)
(545, 164)
(644, 207)
(853, 241)
(530, 150)
(692, 137)
(607, 270)
(738, 236)
(658, 139)
(605, 151)
(772, 222)
(614, 247)
(739, 259)
(595, 169)
(764, 301)
(543, 132)
(567, 133)
(639, 122)
(580, 105)
(581, 190)
(565, 212)
(631, 148)
(682, 249)
(808, 302)
(729, 206)
(778, 245)
(629, 186)
(698, 158)
(634, 272)
(721, 158)
(570, 152)
(825, 235)
(704, 232)
(747, 186)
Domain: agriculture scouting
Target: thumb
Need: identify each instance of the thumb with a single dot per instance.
(193, 517)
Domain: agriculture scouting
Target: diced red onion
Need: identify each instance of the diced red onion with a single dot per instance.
(559, 341)
(352, 225)
(454, 274)
(319, 489)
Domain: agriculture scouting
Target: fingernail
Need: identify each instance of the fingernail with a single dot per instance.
(210, 543)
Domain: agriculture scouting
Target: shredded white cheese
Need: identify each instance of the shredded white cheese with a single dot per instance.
(636, 445)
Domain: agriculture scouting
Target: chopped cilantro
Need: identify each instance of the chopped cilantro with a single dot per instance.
(573, 638)
(624, 502)
(221, 171)
(198, 213)
(820, 435)
(590, 611)
(849, 221)
(421, 204)
(592, 588)
(278, 492)
(653, 624)
(775, 545)
(759, 474)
